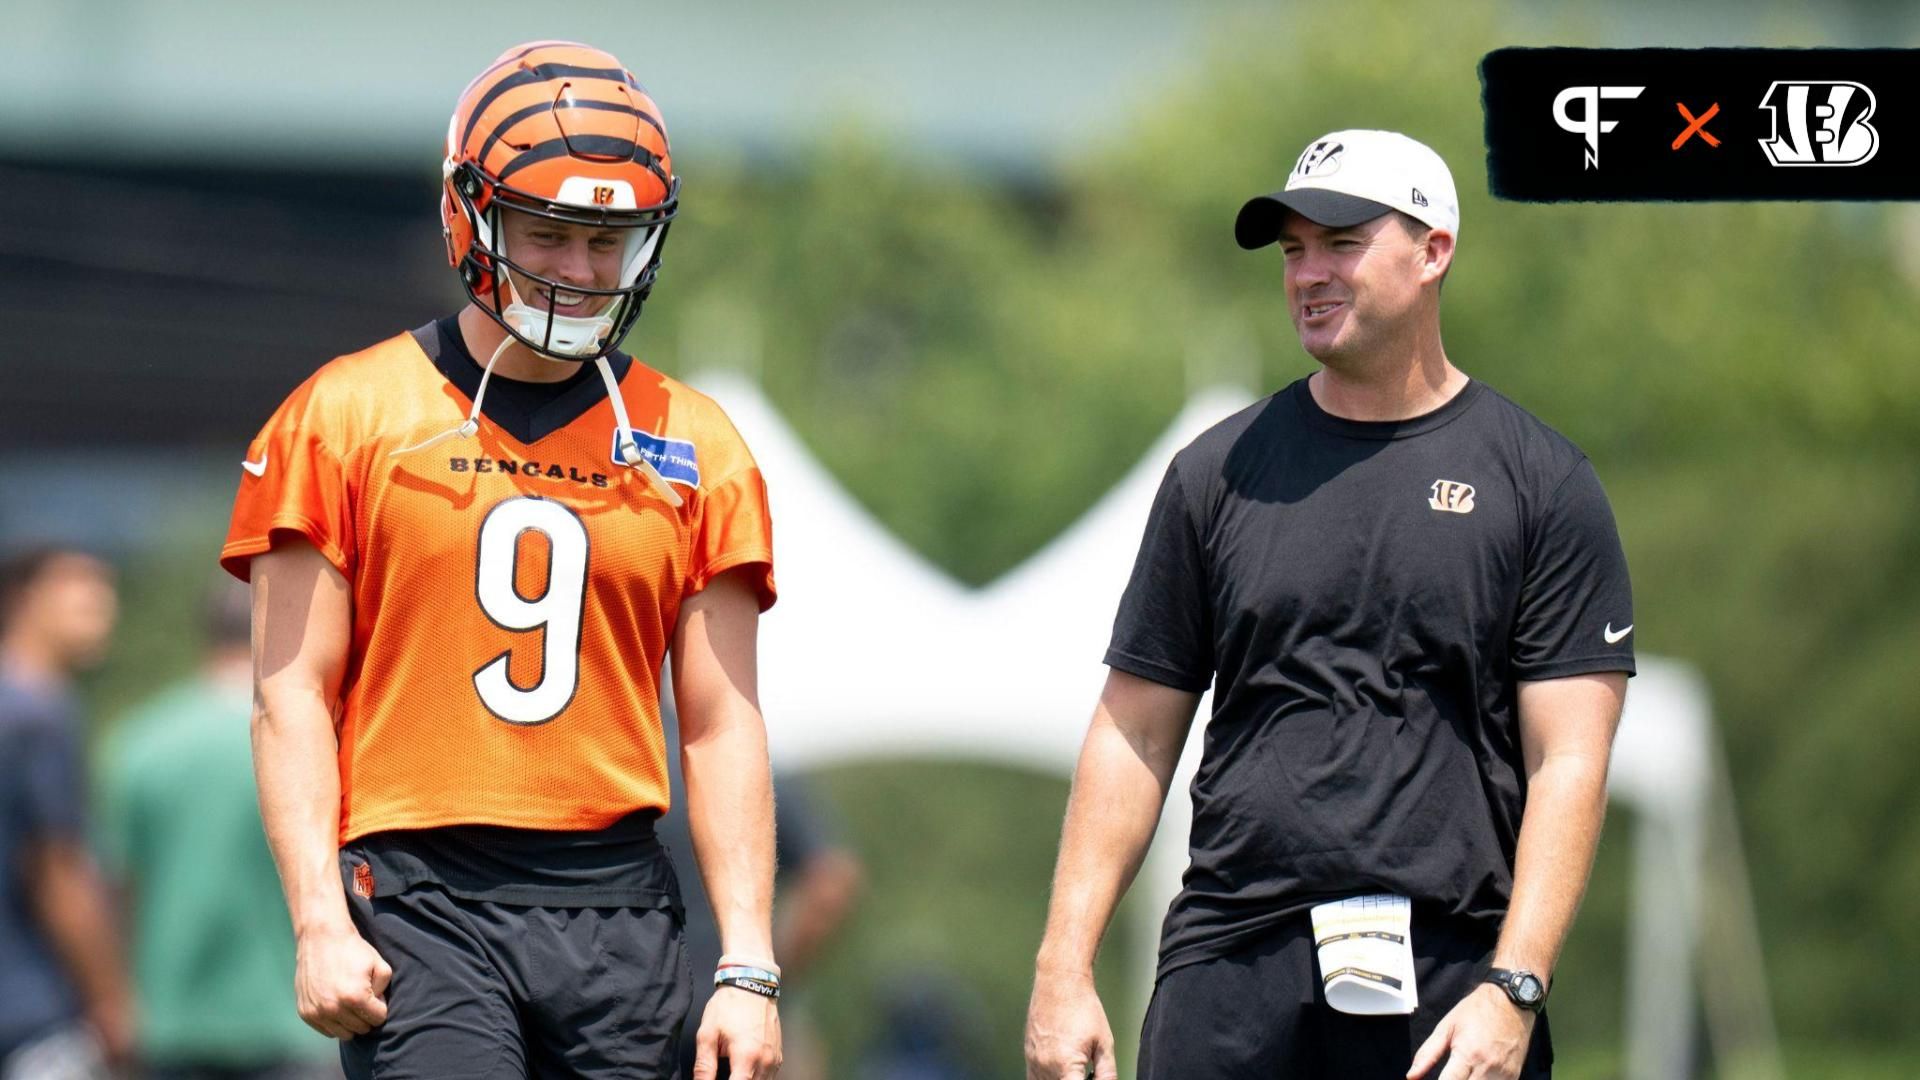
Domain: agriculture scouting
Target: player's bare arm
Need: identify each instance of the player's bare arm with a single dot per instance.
(1566, 734)
(302, 620)
(1119, 786)
(729, 810)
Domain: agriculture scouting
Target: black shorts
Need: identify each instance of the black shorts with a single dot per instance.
(1260, 1012)
(492, 990)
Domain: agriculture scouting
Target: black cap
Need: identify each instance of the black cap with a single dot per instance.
(1259, 222)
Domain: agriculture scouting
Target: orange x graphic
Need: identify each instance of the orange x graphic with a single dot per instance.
(1697, 125)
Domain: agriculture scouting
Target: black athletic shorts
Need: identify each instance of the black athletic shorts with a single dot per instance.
(489, 990)
(1261, 1013)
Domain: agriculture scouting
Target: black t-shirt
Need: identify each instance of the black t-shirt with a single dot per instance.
(1364, 597)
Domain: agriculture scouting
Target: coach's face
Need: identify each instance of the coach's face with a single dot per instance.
(1357, 288)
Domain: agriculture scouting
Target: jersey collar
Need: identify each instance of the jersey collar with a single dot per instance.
(528, 411)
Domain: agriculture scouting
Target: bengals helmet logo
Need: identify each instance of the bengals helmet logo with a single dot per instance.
(602, 195)
(1452, 496)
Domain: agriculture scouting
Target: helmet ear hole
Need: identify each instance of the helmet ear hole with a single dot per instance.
(468, 183)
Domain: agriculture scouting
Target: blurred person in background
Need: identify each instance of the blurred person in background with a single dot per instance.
(64, 996)
(926, 1031)
(472, 547)
(817, 883)
(1411, 603)
(179, 826)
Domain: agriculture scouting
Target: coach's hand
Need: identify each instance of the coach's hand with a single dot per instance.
(1487, 1035)
(340, 983)
(742, 1027)
(1067, 1030)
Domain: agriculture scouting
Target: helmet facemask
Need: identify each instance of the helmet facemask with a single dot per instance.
(486, 265)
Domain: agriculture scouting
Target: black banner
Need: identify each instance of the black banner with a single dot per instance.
(1688, 124)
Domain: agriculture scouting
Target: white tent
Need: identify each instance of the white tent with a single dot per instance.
(897, 660)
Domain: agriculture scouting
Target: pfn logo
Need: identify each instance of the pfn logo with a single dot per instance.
(1452, 496)
(1589, 124)
(1826, 124)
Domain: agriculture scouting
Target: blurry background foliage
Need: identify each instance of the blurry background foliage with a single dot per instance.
(978, 360)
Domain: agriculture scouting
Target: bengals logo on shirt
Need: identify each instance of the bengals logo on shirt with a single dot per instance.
(512, 602)
(1451, 496)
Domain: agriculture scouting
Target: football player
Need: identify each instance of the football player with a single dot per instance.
(471, 547)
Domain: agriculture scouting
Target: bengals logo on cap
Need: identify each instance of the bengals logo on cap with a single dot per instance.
(1320, 159)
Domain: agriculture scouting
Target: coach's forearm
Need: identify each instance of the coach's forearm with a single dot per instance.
(295, 763)
(1119, 787)
(730, 814)
(1559, 832)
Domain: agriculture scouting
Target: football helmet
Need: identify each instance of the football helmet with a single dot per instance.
(560, 131)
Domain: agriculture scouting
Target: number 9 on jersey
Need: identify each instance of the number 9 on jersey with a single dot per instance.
(556, 612)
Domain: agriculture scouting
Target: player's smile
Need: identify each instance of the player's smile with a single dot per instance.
(566, 302)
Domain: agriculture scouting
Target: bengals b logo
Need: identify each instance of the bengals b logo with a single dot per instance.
(1452, 496)
(603, 196)
(1820, 123)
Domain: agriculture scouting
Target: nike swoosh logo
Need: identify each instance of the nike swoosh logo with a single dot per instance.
(1613, 636)
(257, 468)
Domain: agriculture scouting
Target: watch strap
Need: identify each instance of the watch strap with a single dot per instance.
(1510, 982)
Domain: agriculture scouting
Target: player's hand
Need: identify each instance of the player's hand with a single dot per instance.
(1067, 1030)
(340, 983)
(742, 1027)
(1487, 1035)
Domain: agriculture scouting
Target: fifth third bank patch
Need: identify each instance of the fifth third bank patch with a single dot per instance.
(1686, 124)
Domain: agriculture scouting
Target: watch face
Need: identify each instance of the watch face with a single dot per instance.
(1528, 988)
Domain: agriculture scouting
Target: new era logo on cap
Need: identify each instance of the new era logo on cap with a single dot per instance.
(1347, 177)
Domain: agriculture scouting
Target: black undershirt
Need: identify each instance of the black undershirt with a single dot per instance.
(528, 411)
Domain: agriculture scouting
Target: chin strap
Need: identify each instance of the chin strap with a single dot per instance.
(628, 451)
(471, 424)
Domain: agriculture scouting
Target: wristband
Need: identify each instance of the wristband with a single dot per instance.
(753, 980)
(739, 960)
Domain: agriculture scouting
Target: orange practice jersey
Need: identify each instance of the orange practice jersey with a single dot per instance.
(512, 602)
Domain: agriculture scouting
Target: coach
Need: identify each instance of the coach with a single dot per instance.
(1410, 601)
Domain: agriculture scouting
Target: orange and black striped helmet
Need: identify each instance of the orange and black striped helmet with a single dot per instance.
(561, 131)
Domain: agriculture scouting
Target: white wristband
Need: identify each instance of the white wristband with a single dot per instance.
(738, 960)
